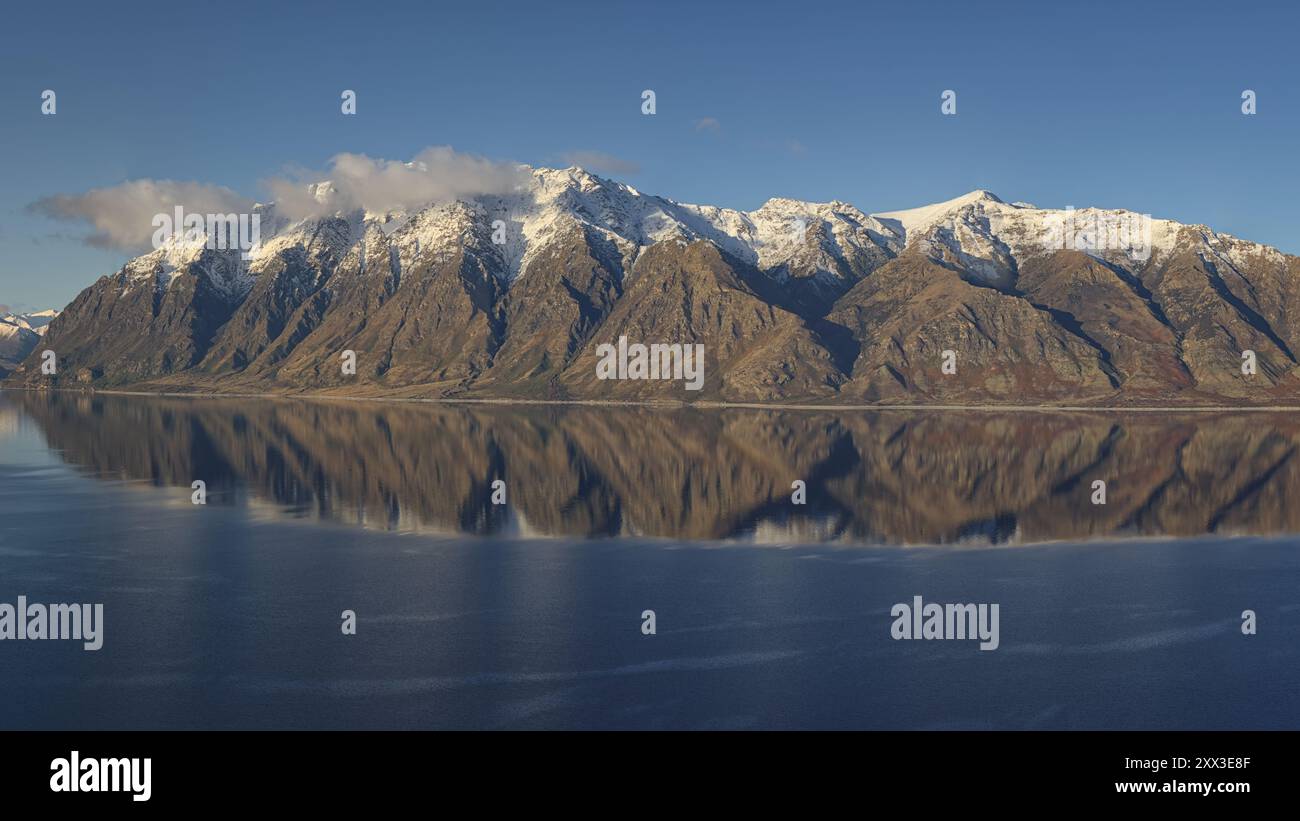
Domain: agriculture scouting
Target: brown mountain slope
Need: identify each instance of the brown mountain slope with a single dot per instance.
(427, 318)
(145, 321)
(567, 291)
(691, 294)
(271, 316)
(514, 297)
(1215, 326)
(911, 310)
(1109, 309)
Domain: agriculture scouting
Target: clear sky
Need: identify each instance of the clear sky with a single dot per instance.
(1133, 105)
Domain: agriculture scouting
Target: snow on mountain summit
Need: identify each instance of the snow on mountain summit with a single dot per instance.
(555, 200)
(827, 244)
(988, 236)
(35, 321)
(20, 333)
(918, 220)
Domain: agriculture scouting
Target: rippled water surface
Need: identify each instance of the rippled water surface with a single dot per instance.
(528, 614)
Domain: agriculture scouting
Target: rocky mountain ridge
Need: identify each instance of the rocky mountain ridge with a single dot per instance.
(512, 296)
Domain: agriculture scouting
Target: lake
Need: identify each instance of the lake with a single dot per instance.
(531, 613)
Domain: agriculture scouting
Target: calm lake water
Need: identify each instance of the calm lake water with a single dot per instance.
(529, 614)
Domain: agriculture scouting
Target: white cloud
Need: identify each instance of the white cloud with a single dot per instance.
(122, 215)
(709, 124)
(437, 174)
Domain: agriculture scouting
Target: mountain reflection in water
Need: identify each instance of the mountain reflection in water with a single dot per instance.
(876, 477)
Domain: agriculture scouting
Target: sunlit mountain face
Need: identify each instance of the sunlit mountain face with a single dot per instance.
(513, 295)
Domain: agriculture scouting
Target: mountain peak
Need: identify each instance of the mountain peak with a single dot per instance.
(20, 333)
(788, 203)
(914, 220)
(977, 195)
(573, 174)
(510, 294)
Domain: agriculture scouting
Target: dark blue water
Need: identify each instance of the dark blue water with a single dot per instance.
(228, 616)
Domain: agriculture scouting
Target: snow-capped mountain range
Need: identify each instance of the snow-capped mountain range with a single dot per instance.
(509, 294)
(977, 227)
(36, 321)
(19, 334)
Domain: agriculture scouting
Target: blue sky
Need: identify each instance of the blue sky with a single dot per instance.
(1118, 105)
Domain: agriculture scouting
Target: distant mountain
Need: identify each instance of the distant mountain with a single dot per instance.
(35, 321)
(19, 334)
(515, 297)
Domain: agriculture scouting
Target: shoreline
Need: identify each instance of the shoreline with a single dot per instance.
(681, 405)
